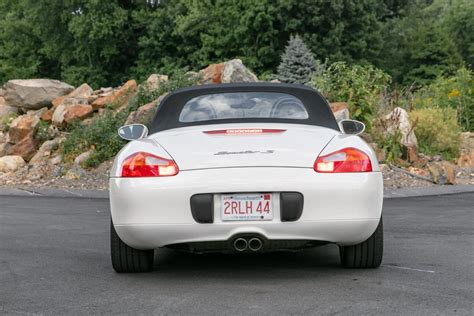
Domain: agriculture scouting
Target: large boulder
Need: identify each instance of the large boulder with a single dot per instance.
(22, 127)
(79, 96)
(119, 97)
(227, 72)
(212, 73)
(26, 148)
(81, 93)
(33, 94)
(65, 114)
(235, 71)
(398, 120)
(44, 152)
(145, 113)
(11, 163)
(340, 110)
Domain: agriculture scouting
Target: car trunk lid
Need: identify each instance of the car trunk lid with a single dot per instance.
(250, 145)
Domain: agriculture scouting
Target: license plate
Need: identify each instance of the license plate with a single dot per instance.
(246, 207)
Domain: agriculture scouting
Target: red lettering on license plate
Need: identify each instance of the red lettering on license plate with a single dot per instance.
(236, 207)
(247, 207)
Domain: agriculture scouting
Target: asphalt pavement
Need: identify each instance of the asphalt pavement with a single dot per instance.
(54, 259)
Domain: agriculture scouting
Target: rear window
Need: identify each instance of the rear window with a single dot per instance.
(241, 105)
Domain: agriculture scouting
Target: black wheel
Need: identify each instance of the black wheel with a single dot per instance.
(367, 254)
(128, 259)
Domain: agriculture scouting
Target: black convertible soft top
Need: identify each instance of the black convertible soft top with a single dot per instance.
(319, 112)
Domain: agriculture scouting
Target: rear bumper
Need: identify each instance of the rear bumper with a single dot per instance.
(155, 212)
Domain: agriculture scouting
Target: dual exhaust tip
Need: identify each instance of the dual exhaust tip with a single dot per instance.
(254, 244)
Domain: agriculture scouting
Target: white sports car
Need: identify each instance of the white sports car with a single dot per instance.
(245, 168)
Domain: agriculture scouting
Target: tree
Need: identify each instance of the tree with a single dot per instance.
(418, 48)
(223, 29)
(340, 30)
(106, 42)
(460, 23)
(158, 48)
(101, 50)
(77, 41)
(297, 62)
(22, 52)
(431, 52)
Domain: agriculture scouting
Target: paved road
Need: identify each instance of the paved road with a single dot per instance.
(54, 259)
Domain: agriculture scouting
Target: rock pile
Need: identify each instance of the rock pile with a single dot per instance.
(31, 108)
(34, 106)
(25, 104)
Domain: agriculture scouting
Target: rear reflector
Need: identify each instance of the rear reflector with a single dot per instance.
(344, 160)
(143, 164)
(245, 131)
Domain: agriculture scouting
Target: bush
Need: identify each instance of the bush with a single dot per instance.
(456, 92)
(101, 134)
(388, 143)
(361, 86)
(43, 133)
(437, 131)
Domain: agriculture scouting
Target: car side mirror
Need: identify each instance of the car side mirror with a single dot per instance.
(133, 131)
(351, 127)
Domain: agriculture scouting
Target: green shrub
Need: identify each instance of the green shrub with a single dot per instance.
(455, 92)
(100, 136)
(361, 86)
(388, 143)
(43, 133)
(437, 131)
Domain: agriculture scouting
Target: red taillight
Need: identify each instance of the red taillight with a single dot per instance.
(143, 164)
(344, 160)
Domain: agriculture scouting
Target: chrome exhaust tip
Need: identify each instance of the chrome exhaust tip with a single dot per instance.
(240, 244)
(255, 244)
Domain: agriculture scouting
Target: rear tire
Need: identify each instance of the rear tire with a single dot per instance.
(128, 259)
(367, 254)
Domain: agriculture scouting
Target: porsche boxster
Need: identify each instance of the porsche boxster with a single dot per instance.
(245, 168)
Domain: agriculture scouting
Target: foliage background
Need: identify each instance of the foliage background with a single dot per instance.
(106, 42)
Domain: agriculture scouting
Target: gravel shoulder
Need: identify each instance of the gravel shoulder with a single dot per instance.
(54, 181)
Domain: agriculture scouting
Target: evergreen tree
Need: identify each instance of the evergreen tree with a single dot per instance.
(297, 62)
